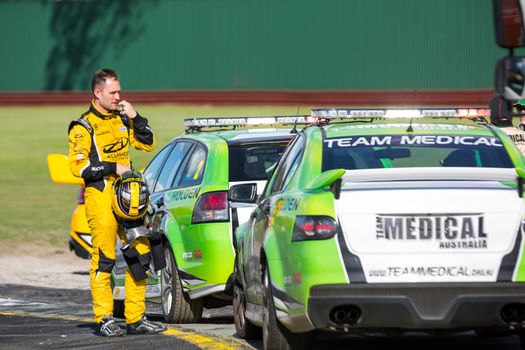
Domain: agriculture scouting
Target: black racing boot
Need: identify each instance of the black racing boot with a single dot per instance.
(109, 328)
(144, 326)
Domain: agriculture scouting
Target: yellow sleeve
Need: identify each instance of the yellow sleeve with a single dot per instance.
(79, 147)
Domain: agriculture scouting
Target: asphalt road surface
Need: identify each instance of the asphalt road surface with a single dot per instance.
(48, 318)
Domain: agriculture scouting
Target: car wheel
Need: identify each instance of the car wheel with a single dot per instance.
(176, 305)
(275, 335)
(245, 329)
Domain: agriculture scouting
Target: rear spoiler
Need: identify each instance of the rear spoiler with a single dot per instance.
(427, 173)
(59, 170)
(437, 174)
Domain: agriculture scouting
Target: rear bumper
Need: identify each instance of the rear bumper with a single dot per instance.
(429, 306)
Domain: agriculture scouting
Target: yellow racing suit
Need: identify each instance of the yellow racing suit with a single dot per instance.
(97, 142)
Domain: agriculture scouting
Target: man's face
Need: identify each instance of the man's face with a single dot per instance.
(108, 94)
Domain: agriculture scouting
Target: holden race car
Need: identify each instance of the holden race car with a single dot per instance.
(189, 181)
(384, 221)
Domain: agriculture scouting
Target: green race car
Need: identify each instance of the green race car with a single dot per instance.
(189, 180)
(384, 221)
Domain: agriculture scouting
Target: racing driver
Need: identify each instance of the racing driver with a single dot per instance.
(98, 152)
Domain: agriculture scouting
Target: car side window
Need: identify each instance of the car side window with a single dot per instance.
(172, 165)
(194, 169)
(151, 173)
(287, 165)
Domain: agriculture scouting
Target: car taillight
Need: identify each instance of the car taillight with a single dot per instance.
(80, 196)
(210, 207)
(313, 228)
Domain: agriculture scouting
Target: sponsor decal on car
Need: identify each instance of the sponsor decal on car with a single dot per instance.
(450, 231)
(403, 140)
(286, 204)
(430, 271)
(187, 193)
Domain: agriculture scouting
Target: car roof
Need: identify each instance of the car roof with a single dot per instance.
(234, 137)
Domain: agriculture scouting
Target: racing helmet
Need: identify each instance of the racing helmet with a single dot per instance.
(130, 196)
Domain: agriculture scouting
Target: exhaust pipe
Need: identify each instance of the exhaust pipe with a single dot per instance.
(347, 314)
(513, 313)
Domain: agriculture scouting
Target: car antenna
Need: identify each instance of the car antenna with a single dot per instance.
(410, 129)
(294, 129)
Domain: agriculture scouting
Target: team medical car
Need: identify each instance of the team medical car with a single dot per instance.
(376, 224)
(188, 182)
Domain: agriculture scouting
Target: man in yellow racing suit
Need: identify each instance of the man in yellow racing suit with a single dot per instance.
(98, 152)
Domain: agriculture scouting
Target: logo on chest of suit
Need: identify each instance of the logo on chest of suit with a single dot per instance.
(116, 146)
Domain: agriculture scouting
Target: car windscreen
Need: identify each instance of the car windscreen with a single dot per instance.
(402, 151)
(254, 161)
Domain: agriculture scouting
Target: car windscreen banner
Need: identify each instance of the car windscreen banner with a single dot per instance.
(414, 150)
(413, 141)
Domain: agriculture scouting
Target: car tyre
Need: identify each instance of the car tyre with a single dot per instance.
(245, 329)
(176, 305)
(275, 335)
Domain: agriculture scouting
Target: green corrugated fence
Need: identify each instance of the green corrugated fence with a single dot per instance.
(248, 44)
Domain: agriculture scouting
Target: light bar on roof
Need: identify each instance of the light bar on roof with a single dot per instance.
(245, 121)
(347, 113)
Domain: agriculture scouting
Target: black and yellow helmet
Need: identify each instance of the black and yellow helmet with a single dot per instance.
(130, 196)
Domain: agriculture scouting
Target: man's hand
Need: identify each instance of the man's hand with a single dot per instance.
(121, 169)
(127, 109)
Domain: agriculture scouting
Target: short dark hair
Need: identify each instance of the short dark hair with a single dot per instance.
(101, 76)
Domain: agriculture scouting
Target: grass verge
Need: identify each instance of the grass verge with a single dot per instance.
(33, 209)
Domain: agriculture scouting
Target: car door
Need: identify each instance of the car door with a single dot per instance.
(261, 215)
(181, 198)
(160, 174)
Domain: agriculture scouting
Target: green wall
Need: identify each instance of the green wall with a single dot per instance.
(248, 44)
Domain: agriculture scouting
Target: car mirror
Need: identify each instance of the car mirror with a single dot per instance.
(243, 193)
(508, 23)
(392, 153)
(510, 77)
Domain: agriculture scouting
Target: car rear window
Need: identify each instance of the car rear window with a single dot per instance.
(402, 151)
(254, 161)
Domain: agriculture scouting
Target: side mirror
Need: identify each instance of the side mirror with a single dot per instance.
(510, 77)
(509, 23)
(243, 193)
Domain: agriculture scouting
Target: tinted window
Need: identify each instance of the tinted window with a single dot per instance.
(194, 169)
(402, 151)
(287, 165)
(171, 167)
(152, 171)
(253, 161)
